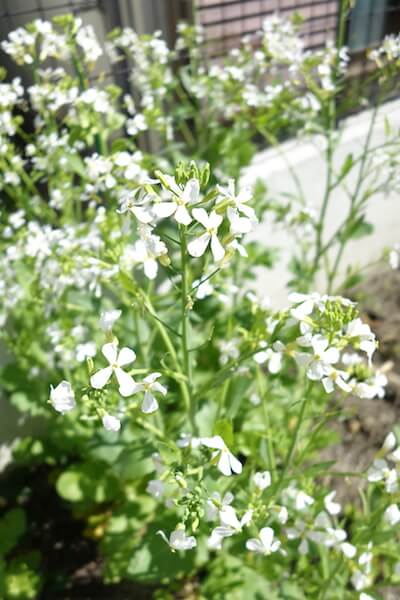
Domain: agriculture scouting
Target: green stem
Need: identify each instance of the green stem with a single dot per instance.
(171, 349)
(353, 201)
(296, 433)
(262, 389)
(185, 304)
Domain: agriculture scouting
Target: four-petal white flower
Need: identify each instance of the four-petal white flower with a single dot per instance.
(211, 222)
(227, 463)
(178, 540)
(265, 543)
(150, 385)
(62, 397)
(116, 360)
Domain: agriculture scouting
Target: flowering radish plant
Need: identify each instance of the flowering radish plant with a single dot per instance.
(191, 415)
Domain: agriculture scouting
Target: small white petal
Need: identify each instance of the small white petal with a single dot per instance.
(200, 214)
(150, 268)
(224, 464)
(99, 379)
(126, 356)
(127, 385)
(198, 246)
(254, 545)
(182, 216)
(111, 423)
(149, 404)
(217, 248)
(110, 352)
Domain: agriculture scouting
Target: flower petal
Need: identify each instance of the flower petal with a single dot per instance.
(99, 379)
(235, 464)
(127, 385)
(182, 216)
(266, 536)
(191, 192)
(201, 215)
(198, 246)
(254, 545)
(110, 352)
(217, 248)
(126, 356)
(224, 463)
(149, 404)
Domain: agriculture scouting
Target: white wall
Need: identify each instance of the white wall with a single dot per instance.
(304, 156)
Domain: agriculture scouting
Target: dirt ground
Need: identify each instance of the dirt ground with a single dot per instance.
(366, 422)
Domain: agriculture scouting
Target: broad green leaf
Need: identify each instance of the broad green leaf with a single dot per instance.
(88, 482)
(224, 428)
(12, 527)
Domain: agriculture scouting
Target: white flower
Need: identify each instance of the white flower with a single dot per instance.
(299, 530)
(372, 387)
(178, 540)
(319, 362)
(227, 463)
(332, 507)
(364, 596)
(148, 386)
(282, 514)
(392, 514)
(138, 207)
(394, 257)
(230, 524)
(6, 454)
(186, 440)
(262, 480)
(360, 580)
(155, 488)
(229, 350)
(389, 443)
(356, 329)
(215, 503)
(300, 499)
(211, 222)
(108, 318)
(380, 471)
(265, 543)
(62, 397)
(145, 251)
(111, 423)
(238, 200)
(306, 304)
(177, 206)
(335, 376)
(84, 351)
(116, 360)
(271, 356)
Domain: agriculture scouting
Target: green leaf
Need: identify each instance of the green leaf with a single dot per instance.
(356, 229)
(224, 428)
(127, 282)
(88, 482)
(12, 527)
(76, 164)
(22, 581)
(346, 167)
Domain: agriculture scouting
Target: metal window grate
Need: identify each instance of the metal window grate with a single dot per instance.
(227, 21)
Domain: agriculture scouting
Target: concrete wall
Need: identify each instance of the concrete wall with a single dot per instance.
(305, 158)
